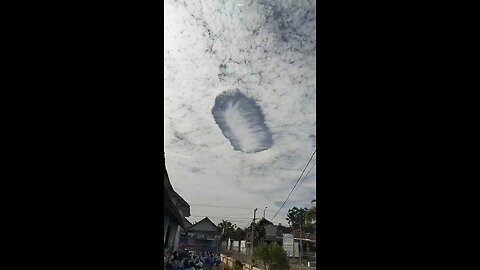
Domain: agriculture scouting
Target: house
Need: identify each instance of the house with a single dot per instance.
(203, 235)
(176, 209)
(273, 234)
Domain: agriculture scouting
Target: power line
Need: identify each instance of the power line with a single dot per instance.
(295, 184)
(306, 175)
(231, 207)
(224, 217)
(274, 211)
(218, 206)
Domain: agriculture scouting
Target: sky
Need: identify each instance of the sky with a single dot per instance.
(240, 106)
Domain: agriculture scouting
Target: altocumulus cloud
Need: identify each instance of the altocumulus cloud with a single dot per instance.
(214, 139)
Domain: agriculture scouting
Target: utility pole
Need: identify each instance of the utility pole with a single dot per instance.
(264, 211)
(315, 232)
(251, 242)
(223, 232)
(302, 217)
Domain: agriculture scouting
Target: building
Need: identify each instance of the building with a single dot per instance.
(175, 210)
(273, 234)
(203, 235)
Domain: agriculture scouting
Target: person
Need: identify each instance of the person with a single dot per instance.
(212, 261)
(191, 266)
(175, 261)
(170, 259)
(198, 264)
(205, 258)
(166, 258)
(207, 261)
(181, 260)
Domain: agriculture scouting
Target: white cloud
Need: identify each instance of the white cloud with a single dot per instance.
(211, 47)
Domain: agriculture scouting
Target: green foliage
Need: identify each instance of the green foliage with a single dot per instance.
(279, 257)
(237, 265)
(227, 229)
(258, 231)
(238, 234)
(231, 231)
(296, 217)
(310, 216)
(272, 256)
(262, 253)
(309, 228)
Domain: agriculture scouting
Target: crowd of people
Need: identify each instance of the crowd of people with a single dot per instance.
(184, 260)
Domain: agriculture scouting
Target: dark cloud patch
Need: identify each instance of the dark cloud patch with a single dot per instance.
(197, 170)
(293, 22)
(242, 122)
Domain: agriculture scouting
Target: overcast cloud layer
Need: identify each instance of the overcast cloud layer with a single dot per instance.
(251, 153)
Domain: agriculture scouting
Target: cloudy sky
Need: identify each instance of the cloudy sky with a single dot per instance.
(240, 124)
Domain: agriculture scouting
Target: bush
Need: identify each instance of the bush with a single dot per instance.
(272, 256)
(237, 265)
(262, 253)
(279, 258)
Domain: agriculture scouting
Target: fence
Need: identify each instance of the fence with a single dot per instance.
(308, 258)
(227, 260)
(239, 253)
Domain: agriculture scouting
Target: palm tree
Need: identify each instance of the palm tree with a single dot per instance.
(227, 228)
(311, 214)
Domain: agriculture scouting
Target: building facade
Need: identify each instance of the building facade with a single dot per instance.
(203, 235)
(175, 210)
(273, 234)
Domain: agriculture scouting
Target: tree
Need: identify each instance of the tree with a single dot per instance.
(279, 257)
(262, 253)
(309, 228)
(258, 232)
(227, 228)
(238, 234)
(272, 256)
(310, 218)
(296, 217)
(311, 215)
